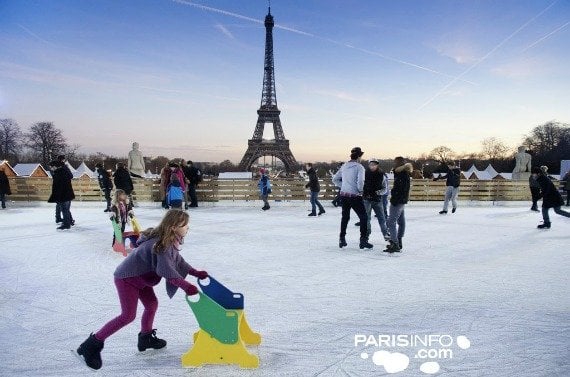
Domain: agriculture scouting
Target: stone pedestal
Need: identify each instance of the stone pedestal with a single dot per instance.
(524, 176)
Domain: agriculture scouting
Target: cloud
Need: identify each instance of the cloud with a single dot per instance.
(225, 31)
(485, 57)
(520, 69)
(459, 51)
(341, 95)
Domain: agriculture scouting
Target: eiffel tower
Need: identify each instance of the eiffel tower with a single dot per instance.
(268, 113)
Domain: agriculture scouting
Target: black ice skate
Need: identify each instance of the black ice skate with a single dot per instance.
(150, 341)
(91, 352)
(545, 225)
(392, 248)
(364, 244)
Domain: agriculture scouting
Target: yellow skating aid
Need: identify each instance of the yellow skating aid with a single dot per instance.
(222, 336)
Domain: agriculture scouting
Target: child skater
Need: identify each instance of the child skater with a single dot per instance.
(175, 193)
(156, 257)
(121, 213)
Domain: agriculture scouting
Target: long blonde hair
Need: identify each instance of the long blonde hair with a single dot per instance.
(165, 231)
(118, 193)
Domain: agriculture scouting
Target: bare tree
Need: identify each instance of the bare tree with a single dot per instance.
(442, 154)
(550, 143)
(10, 139)
(46, 141)
(227, 166)
(494, 149)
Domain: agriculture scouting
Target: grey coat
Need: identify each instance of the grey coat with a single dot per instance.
(169, 264)
(350, 178)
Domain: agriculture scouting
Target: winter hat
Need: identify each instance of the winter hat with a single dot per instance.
(544, 168)
(374, 160)
(355, 153)
(262, 171)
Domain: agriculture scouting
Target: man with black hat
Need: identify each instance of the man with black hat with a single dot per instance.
(350, 179)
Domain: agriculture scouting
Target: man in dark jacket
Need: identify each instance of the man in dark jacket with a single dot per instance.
(194, 177)
(375, 187)
(58, 210)
(315, 188)
(105, 184)
(122, 179)
(399, 198)
(452, 182)
(62, 191)
(4, 187)
(551, 198)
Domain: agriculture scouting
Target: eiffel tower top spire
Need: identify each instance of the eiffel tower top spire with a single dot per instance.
(268, 94)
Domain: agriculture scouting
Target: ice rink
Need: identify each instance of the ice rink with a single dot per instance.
(485, 273)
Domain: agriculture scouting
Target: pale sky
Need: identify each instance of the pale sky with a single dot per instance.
(184, 80)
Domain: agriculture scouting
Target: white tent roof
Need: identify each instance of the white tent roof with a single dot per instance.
(26, 170)
(83, 169)
(235, 175)
(70, 167)
(470, 171)
(150, 174)
(485, 175)
(492, 172)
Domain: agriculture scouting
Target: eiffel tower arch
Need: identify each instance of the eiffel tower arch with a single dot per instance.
(268, 113)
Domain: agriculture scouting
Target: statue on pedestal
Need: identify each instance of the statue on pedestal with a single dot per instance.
(523, 165)
(136, 162)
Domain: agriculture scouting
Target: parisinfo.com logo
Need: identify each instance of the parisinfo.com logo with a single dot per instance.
(395, 352)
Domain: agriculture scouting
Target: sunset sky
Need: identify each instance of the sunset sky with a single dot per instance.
(183, 78)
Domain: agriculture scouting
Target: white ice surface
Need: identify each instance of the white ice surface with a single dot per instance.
(485, 272)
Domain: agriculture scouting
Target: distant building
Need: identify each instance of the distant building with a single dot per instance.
(8, 169)
(33, 170)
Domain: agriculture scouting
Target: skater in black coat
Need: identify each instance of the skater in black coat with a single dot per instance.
(400, 194)
(194, 177)
(4, 187)
(62, 191)
(105, 184)
(551, 198)
(122, 179)
(315, 188)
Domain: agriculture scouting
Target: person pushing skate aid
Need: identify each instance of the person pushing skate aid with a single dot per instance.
(157, 256)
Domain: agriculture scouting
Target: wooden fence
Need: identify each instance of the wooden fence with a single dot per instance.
(39, 189)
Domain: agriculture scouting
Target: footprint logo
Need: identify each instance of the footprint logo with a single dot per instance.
(430, 367)
(392, 362)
